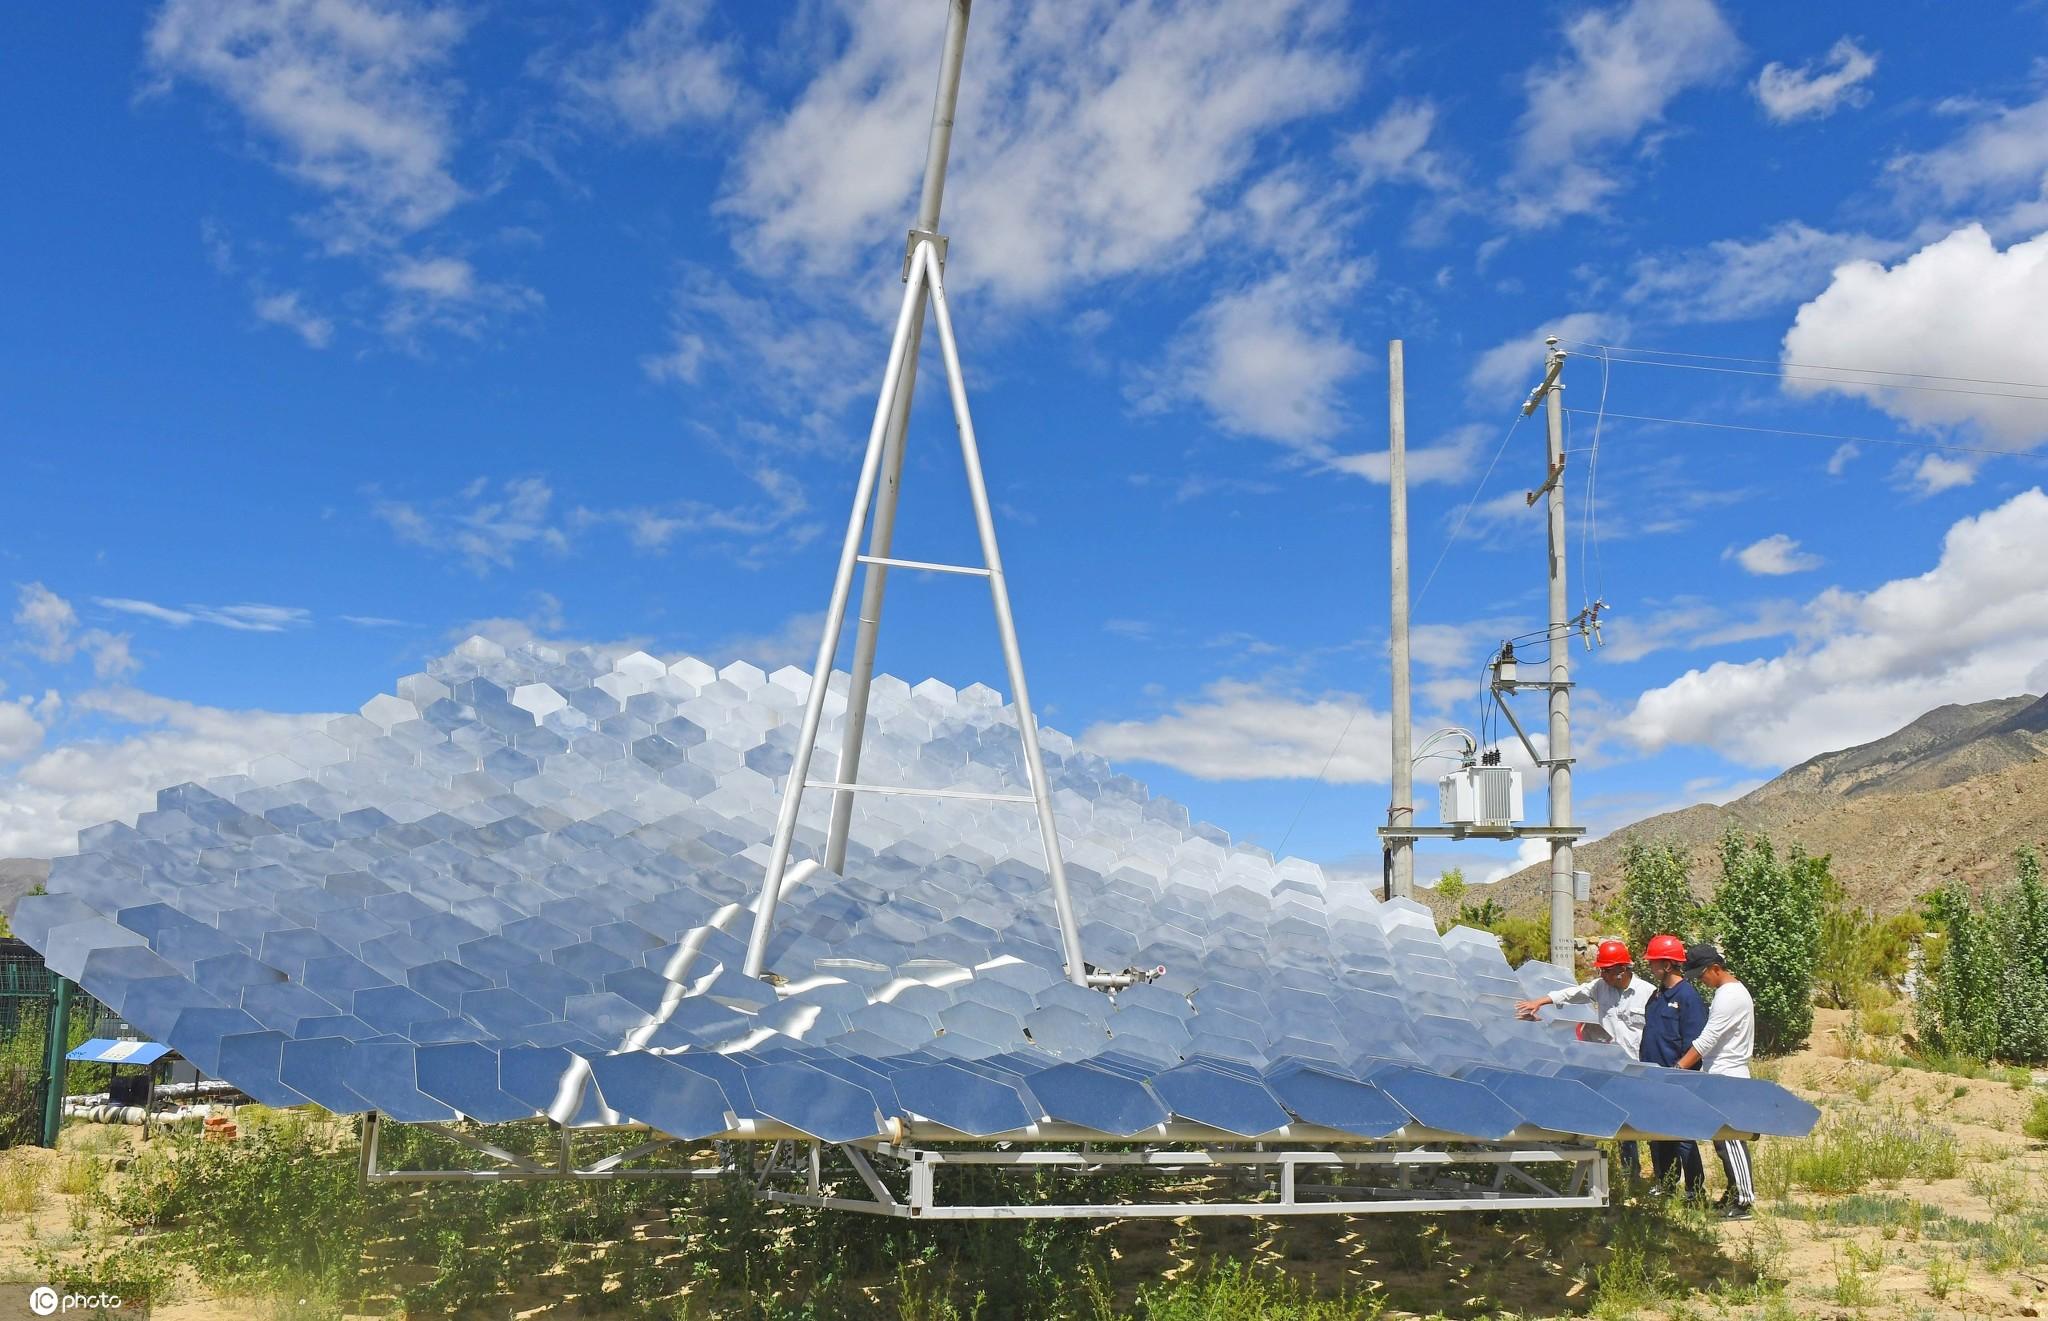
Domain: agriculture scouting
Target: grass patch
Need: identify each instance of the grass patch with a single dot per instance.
(277, 1222)
(1892, 1216)
(2003, 1188)
(1234, 1291)
(1846, 1156)
(21, 1188)
(79, 1175)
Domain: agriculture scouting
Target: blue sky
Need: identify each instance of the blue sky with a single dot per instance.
(336, 330)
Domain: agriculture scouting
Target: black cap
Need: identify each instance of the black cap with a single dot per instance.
(1700, 957)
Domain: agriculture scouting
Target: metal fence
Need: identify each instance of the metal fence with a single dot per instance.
(35, 1006)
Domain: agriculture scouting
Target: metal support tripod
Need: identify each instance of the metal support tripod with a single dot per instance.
(924, 287)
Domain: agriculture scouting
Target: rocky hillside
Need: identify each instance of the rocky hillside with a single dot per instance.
(1952, 794)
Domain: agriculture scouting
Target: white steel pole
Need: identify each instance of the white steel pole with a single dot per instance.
(876, 581)
(1560, 750)
(1006, 625)
(1401, 810)
(835, 617)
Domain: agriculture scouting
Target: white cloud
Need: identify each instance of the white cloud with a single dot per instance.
(1868, 662)
(545, 623)
(1130, 630)
(1845, 454)
(1774, 556)
(446, 293)
(1958, 307)
(793, 642)
(20, 732)
(1238, 731)
(1936, 473)
(351, 93)
(48, 799)
(802, 364)
(436, 277)
(487, 527)
(354, 100)
(1268, 360)
(1515, 365)
(51, 625)
(2001, 157)
(287, 309)
(1527, 854)
(653, 527)
(1159, 107)
(1395, 149)
(1732, 279)
(248, 618)
(1690, 624)
(1626, 65)
(1447, 459)
(48, 619)
(663, 72)
(1816, 90)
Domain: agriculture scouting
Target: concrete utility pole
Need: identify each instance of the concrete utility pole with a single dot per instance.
(1560, 750)
(1401, 808)
(882, 535)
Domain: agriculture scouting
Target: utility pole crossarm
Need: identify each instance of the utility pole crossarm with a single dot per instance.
(1555, 476)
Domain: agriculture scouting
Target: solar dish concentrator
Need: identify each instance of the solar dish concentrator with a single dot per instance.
(521, 885)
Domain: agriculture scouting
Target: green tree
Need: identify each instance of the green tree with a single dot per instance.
(1854, 948)
(1656, 892)
(1768, 913)
(1958, 1004)
(1451, 885)
(2022, 926)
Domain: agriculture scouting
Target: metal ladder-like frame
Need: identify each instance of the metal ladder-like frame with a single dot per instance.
(923, 280)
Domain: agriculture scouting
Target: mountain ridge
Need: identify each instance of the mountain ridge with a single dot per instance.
(1949, 795)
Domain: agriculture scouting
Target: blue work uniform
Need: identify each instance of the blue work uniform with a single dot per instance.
(1672, 1022)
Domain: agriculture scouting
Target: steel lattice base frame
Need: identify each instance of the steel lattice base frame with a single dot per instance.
(1361, 1180)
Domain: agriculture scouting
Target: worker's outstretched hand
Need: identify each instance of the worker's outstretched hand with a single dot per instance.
(1529, 1008)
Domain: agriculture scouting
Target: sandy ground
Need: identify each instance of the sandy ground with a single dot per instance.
(1473, 1266)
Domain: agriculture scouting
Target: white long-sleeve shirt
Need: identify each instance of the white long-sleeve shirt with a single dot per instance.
(1729, 1038)
(1622, 1012)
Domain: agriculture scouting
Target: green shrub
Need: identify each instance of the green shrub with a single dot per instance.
(1521, 938)
(1656, 893)
(2036, 1123)
(1768, 914)
(1985, 989)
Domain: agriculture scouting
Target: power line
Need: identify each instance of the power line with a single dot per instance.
(1830, 435)
(1831, 380)
(1809, 366)
(1589, 527)
(1321, 776)
(1466, 513)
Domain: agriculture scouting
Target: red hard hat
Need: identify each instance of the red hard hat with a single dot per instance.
(1612, 953)
(1667, 947)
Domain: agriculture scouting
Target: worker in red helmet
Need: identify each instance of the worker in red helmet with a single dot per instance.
(1676, 1015)
(1623, 1002)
